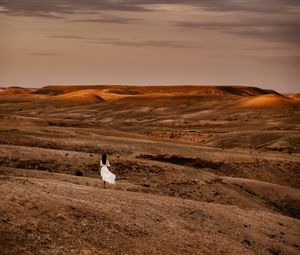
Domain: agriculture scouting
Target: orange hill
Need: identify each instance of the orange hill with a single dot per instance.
(87, 96)
(266, 101)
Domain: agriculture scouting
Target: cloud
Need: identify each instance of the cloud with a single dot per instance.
(266, 28)
(31, 14)
(108, 19)
(67, 37)
(147, 43)
(52, 9)
(271, 27)
(257, 6)
(144, 43)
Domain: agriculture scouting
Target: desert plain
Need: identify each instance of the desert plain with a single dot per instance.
(200, 170)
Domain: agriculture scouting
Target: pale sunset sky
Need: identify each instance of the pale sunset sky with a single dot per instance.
(146, 42)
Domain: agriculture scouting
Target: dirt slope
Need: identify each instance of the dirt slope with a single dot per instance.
(55, 217)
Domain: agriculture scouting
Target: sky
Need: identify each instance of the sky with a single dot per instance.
(151, 42)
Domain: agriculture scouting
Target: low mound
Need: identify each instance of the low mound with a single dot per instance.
(80, 97)
(266, 101)
(14, 91)
(88, 96)
(60, 89)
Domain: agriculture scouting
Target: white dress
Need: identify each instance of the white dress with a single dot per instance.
(106, 174)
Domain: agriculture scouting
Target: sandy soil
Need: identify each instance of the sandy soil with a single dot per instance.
(200, 170)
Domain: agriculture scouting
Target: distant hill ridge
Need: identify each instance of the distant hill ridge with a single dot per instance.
(176, 90)
(14, 91)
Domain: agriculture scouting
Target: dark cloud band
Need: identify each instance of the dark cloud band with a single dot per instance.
(275, 29)
(51, 8)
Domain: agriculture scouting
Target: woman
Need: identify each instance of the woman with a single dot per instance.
(107, 176)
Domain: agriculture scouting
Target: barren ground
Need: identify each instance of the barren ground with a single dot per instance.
(200, 170)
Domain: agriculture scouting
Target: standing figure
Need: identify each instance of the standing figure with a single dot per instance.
(106, 175)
